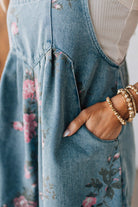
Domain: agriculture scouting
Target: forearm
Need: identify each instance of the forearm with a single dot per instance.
(4, 5)
(4, 41)
(120, 104)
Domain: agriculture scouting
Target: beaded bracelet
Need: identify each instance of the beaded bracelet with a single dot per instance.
(130, 102)
(133, 88)
(134, 104)
(124, 99)
(123, 122)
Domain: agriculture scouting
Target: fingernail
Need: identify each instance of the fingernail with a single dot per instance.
(67, 131)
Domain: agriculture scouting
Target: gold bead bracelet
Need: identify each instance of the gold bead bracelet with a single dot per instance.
(133, 101)
(133, 88)
(130, 102)
(123, 122)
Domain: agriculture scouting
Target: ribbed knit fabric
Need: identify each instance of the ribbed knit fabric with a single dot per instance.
(114, 22)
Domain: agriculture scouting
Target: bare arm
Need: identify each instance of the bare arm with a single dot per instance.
(100, 119)
(4, 41)
(121, 106)
(4, 5)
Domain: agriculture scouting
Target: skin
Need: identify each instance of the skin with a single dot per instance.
(98, 118)
(4, 41)
(4, 5)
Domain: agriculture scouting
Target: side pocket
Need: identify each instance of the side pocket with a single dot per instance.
(64, 89)
(84, 156)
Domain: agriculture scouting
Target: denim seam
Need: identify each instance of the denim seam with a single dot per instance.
(122, 79)
(94, 39)
(73, 72)
(25, 59)
(122, 177)
(41, 55)
(41, 137)
(51, 24)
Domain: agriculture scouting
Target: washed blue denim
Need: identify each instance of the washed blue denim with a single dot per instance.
(54, 69)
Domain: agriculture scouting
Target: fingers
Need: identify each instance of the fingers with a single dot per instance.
(76, 123)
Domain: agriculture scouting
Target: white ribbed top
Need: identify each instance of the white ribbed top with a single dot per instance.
(114, 22)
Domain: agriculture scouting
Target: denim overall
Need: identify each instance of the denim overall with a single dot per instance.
(54, 69)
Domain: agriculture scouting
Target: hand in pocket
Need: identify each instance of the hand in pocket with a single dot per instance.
(99, 119)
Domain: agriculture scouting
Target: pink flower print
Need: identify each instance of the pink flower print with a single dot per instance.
(27, 71)
(89, 201)
(17, 125)
(28, 89)
(4, 205)
(14, 28)
(109, 159)
(20, 202)
(27, 172)
(37, 92)
(57, 6)
(116, 179)
(106, 188)
(41, 196)
(37, 88)
(80, 91)
(34, 185)
(32, 204)
(120, 171)
(30, 168)
(58, 54)
(43, 144)
(29, 126)
(117, 155)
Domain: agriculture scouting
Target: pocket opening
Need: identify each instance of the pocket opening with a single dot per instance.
(83, 128)
(101, 140)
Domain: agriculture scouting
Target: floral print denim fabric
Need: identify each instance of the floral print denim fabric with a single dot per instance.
(54, 69)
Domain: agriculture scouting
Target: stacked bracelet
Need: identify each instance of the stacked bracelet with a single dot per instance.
(130, 102)
(133, 88)
(123, 122)
(133, 102)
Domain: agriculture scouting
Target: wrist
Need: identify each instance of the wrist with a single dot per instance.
(135, 96)
(120, 105)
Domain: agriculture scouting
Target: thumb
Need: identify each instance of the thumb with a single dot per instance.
(76, 123)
